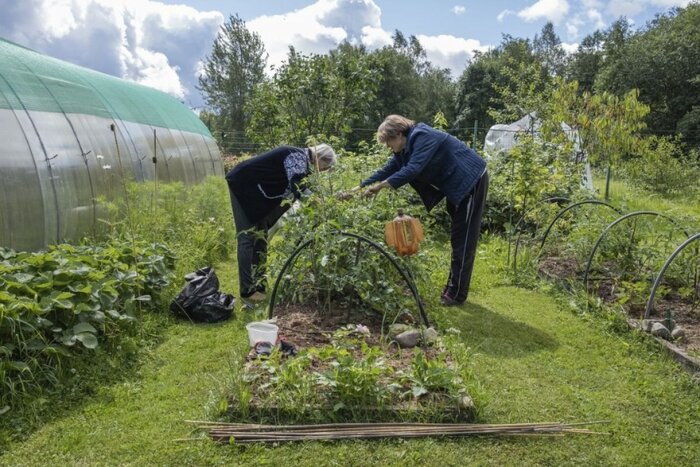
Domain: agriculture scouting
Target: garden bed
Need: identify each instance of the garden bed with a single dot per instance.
(684, 313)
(346, 370)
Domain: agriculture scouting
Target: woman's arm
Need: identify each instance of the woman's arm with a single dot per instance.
(391, 167)
(424, 148)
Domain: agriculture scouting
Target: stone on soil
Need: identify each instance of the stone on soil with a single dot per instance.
(678, 333)
(659, 330)
(408, 339)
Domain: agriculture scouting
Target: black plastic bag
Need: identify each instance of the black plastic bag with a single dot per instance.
(201, 301)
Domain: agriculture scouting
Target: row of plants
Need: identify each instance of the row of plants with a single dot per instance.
(68, 305)
(61, 301)
(623, 266)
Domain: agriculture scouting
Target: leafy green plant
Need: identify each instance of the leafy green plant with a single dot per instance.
(59, 301)
(662, 166)
(352, 380)
(343, 269)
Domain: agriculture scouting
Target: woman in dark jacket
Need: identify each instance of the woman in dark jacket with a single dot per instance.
(258, 187)
(438, 165)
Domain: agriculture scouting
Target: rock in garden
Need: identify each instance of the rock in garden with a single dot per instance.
(398, 328)
(408, 339)
(648, 323)
(430, 336)
(678, 333)
(659, 330)
(466, 402)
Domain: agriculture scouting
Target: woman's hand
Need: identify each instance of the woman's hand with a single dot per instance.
(374, 189)
(346, 195)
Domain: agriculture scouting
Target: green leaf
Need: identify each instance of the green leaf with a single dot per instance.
(418, 391)
(6, 297)
(65, 304)
(87, 339)
(83, 328)
(24, 278)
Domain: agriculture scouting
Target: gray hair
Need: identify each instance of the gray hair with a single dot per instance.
(325, 156)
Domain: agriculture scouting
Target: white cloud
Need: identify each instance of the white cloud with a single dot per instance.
(501, 16)
(552, 10)
(375, 38)
(569, 48)
(446, 51)
(633, 7)
(572, 26)
(458, 10)
(595, 17)
(319, 27)
(625, 7)
(142, 40)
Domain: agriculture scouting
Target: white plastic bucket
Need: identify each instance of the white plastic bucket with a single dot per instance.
(261, 332)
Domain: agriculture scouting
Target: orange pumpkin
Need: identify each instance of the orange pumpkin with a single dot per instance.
(404, 234)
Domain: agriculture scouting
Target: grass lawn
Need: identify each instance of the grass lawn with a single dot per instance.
(633, 199)
(535, 359)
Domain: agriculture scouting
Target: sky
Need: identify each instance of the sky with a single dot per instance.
(162, 43)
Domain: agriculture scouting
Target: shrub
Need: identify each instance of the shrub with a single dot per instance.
(662, 166)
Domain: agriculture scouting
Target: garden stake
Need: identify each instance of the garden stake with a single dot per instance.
(251, 433)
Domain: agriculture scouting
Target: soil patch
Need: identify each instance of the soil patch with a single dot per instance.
(685, 313)
(305, 326)
(379, 380)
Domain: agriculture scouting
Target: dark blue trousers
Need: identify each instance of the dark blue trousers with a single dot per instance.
(466, 228)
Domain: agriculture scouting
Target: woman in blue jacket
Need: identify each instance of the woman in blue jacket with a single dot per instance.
(438, 165)
(258, 187)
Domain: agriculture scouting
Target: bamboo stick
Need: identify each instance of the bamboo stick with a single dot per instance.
(250, 433)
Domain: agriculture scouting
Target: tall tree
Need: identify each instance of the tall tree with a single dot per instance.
(409, 84)
(236, 64)
(482, 85)
(663, 62)
(586, 62)
(547, 47)
(312, 95)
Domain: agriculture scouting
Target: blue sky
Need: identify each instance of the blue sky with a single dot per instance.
(162, 43)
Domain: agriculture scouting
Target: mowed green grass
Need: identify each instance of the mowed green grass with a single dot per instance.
(633, 199)
(536, 362)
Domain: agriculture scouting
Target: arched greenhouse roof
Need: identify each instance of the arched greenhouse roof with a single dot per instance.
(65, 129)
(32, 81)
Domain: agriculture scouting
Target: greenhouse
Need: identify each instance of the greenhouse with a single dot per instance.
(72, 136)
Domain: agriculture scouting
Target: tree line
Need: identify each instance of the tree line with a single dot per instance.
(352, 88)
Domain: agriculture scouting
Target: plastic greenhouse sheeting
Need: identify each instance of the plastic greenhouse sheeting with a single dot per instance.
(502, 137)
(69, 135)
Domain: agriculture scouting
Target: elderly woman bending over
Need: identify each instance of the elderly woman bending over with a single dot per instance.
(437, 165)
(258, 187)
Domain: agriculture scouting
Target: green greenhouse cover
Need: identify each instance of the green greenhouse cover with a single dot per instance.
(32, 81)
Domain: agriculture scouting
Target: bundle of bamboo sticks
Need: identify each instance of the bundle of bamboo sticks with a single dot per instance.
(251, 433)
